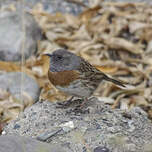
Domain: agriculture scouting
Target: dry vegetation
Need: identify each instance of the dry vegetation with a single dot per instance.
(116, 37)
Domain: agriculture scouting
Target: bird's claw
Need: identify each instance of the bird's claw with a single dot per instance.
(64, 104)
(80, 110)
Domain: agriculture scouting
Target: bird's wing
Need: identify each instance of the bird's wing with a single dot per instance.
(96, 76)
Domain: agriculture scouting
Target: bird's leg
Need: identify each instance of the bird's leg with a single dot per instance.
(65, 103)
(80, 108)
(83, 101)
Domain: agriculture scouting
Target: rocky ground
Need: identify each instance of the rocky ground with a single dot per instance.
(97, 128)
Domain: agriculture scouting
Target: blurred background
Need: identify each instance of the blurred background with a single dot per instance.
(115, 37)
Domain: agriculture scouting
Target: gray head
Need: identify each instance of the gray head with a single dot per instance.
(62, 60)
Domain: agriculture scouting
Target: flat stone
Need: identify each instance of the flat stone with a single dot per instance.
(15, 143)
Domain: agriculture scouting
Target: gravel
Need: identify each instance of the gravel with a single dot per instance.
(94, 128)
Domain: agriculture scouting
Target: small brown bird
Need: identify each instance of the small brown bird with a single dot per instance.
(73, 75)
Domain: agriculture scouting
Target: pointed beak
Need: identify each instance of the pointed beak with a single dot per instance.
(47, 54)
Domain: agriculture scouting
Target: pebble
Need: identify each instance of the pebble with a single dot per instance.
(47, 135)
(101, 149)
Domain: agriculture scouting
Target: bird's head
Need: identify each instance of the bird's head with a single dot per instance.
(63, 60)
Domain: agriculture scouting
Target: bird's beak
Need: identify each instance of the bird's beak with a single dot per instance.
(47, 54)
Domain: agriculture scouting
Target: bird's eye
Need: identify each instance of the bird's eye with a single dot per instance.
(59, 57)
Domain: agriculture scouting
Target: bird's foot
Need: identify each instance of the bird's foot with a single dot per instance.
(63, 104)
(78, 103)
(78, 110)
(80, 107)
(66, 104)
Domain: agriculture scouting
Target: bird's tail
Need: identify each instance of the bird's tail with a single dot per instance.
(119, 83)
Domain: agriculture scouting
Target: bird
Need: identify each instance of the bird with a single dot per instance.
(75, 76)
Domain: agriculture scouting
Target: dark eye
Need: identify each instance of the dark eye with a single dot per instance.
(59, 57)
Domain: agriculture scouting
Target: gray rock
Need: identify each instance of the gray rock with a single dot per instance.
(12, 82)
(64, 6)
(101, 149)
(117, 130)
(50, 6)
(12, 35)
(16, 143)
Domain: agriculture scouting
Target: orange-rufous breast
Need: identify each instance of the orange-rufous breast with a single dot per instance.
(62, 78)
(69, 82)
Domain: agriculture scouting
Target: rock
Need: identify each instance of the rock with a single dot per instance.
(46, 135)
(101, 149)
(50, 6)
(12, 35)
(12, 82)
(64, 6)
(101, 127)
(68, 126)
(16, 143)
